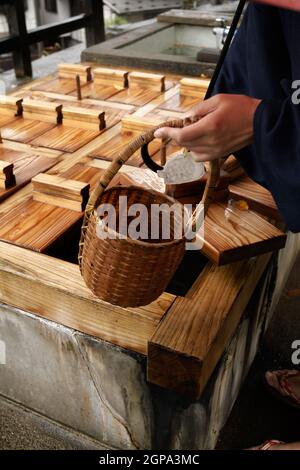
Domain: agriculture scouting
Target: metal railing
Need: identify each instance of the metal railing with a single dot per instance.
(20, 40)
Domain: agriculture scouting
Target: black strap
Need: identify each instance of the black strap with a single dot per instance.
(237, 16)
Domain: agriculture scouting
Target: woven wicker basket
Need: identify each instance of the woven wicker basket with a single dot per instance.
(125, 271)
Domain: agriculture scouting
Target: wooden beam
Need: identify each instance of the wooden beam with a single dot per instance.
(196, 330)
(11, 105)
(71, 70)
(86, 118)
(44, 111)
(133, 123)
(193, 87)
(55, 290)
(7, 177)
(110, 77)
(258, 197)
(61, 192)
(147, 80)
(230, 234)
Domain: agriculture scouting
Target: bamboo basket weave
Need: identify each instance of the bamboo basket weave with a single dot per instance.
(125, 271)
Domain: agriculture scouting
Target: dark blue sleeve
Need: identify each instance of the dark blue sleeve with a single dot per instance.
(277, 148)
(259, 65)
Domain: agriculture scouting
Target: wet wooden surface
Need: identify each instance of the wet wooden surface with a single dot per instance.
(186, 335)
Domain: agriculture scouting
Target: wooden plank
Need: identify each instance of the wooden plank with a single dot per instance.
(27, 163)
(194, 87)
(69, 71)
(103, 164)
(230, 234)
(7, 177)
(97, 91)
(61, 192)
(233, 168)
(194, 333)
(55, 290)
(10, 105)
(84, 173)
(86, 118)
(56, 85)
(113, 141)
(136, 96)
(133, 123)
(181, 103)
(113, 111)
(107, 82)
(44, 111)
(109, 77)
(147, 80)
(65, 138)
(258, 197)
(36, 225)
(24, 130)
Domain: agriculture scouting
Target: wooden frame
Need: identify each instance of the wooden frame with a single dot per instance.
(183, 337)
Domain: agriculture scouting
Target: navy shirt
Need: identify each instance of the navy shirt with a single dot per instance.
(263, 62)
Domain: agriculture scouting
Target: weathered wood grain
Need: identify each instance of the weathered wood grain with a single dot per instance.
(10, 105)
(230, 234)
(132, 123)
(57, 85)
(60, 192)
(24, 130)
(181, 103)
(258, 197)
(194, 87)
(36, 225)
(55, 290)
(195, 331)
(65, 138)
(86, 118)
(97, 91)
(136, 96)
(113, 141)
(113, 111)
(44, 111)
(147, 80)
(70, 71)
(107, 76)
(27, 163)
(7, 176)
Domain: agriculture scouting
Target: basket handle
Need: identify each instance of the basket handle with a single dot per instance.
(124, 155)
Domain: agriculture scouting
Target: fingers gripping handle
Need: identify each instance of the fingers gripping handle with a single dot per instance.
(128, 151)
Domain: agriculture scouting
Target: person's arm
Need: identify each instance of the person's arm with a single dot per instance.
(277, 148)
(225, 126)
(289, 4)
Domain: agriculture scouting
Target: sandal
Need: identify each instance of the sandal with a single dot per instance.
(289, 397)
(268, 444)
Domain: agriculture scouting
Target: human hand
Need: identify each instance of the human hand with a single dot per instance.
(225, 125)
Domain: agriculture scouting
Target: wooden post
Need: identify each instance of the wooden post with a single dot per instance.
(17, 26)
(95, 29)
(78, 88)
